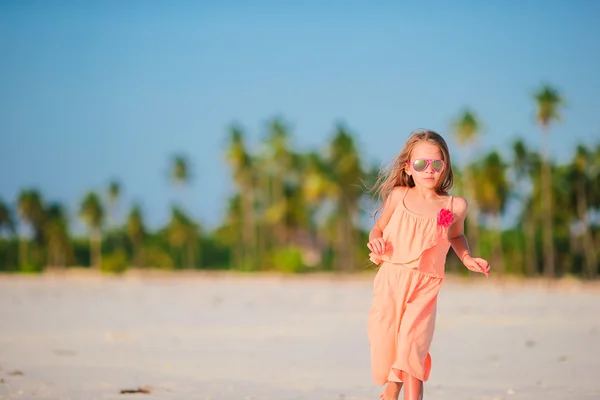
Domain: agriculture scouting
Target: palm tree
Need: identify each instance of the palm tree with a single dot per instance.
(346, 169)
(6, 218)
(92, 213)
(278, 162)
(31, 211)
(57, 235)
(318, 188)
(114, 195)
(526, 163)
(231, 232)
(492, 194)
(317, 184)
(548, 102)
(244, 177)
(136, 230)
(581, 177)
(467, 128)
(595, 195)
(183, 232)
(7, 224)
(180, 173)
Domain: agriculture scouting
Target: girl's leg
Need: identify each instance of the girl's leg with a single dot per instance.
(383, 321)
(391, 391)
(413, 387)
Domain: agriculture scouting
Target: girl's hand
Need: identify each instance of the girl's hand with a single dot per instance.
(476, 264)
(378, 246)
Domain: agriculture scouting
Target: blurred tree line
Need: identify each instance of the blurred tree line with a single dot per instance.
(302, 211)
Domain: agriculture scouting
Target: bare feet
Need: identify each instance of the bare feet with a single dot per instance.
(391, 391)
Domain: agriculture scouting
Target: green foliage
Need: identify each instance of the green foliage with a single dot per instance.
(292, 207)
(81, 250)
(31, 268)
(91, 211)
(548, 101)
(214, 253)
(7, 222)
(8, 254)
(513, 242)
(466, 127)
(115, 263)
(180, 169)
(287, 259)
(155, 257)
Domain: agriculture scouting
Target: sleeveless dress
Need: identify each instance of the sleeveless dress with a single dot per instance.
(401, 320)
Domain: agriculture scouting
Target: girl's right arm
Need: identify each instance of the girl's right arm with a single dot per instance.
(376, 242)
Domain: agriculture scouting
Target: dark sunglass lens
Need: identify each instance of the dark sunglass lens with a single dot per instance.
(420, 165)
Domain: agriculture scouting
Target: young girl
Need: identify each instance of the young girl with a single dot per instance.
(410, 240)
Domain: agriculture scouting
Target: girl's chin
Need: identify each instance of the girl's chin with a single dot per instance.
(427, 185)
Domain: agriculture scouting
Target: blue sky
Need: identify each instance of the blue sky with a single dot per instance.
(89, 92)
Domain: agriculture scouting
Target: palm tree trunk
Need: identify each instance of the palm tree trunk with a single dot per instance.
(497, 243)
(62, 257)
(22, 251)
(136, 256)
(238, 253)
(342, 256)
(345, 250)
(246, 230)
(198, 253)
(591, 261)
(260, 247)
(548, 232)
(530, 247)
(140, 257)
(354, 238)
(281, 199)
(191, 251)
(339, 244)
(52, 255)
(96, 249)
(249, 258)
(473, 217)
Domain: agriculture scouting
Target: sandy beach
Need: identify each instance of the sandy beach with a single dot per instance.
(227, 336)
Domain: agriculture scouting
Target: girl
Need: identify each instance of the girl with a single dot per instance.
(410, 239)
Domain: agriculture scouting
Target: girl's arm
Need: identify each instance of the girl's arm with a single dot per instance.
(459, 243)
(456, 232)
(376, 243)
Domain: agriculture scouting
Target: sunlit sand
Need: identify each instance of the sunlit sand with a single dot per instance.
(228, 336)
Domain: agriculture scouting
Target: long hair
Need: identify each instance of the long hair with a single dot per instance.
(395, 174)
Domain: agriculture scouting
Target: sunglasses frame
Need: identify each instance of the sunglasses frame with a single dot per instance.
(429, 162)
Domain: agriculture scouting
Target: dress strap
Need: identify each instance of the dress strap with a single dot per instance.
(405, 193)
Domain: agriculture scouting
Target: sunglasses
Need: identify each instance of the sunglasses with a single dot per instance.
(421, 164)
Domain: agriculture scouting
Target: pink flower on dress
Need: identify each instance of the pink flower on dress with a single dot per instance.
(445, 217)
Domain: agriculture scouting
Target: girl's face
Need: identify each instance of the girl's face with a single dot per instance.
(426, 165)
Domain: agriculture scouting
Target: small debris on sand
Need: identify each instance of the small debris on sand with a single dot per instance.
(143, 390)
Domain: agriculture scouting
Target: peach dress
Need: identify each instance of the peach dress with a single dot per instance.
(401, 319)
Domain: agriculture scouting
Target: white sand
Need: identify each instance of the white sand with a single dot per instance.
(207, 336)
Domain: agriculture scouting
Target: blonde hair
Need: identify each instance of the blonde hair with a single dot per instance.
(395, 175)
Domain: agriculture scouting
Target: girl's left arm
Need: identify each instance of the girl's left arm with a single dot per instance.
(456, 232)
(459, 242)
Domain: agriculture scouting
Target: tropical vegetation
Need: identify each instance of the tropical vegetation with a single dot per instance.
(302, 211)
